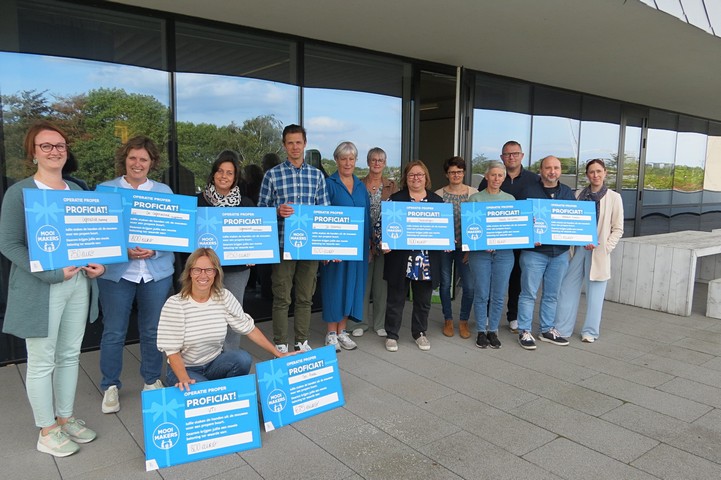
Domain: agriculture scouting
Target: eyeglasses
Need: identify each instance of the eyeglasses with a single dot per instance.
(48, 147)
(511, 154)
(195, 271)
(377, 160)
(456, 172)
(416, 175)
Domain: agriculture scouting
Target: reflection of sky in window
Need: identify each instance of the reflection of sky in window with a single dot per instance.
(661, 146)
(492, 128)
(598, 140)
(691, 149)
(366, 119)
(219, 100)
(67, 76)
(554, 136)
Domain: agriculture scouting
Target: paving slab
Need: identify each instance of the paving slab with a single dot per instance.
(670, 463)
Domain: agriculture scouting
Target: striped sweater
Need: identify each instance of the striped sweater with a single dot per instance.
(197, 330)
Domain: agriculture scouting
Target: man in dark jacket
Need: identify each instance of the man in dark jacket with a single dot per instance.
(544, 263)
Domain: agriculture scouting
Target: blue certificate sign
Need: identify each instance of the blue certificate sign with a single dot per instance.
(316, 232)
(300, 386)
(496, 225)
(417, 226)
(212, 419)
(239, 235)
(158, 221)
(564, 222)
(69, 227)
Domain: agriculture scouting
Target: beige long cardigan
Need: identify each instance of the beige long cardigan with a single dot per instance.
(610, 231)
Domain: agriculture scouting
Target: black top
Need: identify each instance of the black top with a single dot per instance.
(515, 186)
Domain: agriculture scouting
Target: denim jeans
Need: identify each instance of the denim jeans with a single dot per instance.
(228, 364)
(447, 261)
(537, 268)
(116, 300)
(578, 274)
(491, 271)
(53, 361)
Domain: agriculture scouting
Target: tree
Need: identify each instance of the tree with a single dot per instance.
(20, 110)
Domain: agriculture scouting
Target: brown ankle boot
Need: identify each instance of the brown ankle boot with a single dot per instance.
(463, 329)
(448, 328)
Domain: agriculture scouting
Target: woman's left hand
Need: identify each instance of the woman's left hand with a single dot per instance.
(93, 270)
(138, 253)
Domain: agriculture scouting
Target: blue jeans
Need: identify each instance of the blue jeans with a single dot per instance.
(491, 271)
(447, 261)
(228, 364)
(578, 273)
(536, 268)
(116, 299)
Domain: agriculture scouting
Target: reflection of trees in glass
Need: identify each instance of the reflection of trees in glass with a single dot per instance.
(688, 179)
(478, 164)
(630, 171)
(658, 176)
(100, 120)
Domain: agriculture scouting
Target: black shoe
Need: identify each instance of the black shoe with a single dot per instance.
(481, 340)
(552, 336)
(493, 340)
(526, 340)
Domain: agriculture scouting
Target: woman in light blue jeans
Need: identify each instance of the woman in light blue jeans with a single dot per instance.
(491, 269)
(47, 308)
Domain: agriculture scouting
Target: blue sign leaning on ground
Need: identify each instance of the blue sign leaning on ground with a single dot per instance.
(564, 222)
(158, 221)
(212, 419)
(73, 228)
(299, 386)
(496, 225)
(239, 235)
(417, 226)
(317, 232)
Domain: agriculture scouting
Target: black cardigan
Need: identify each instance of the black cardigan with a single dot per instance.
(396, 261)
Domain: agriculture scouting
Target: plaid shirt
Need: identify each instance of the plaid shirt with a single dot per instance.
(286, 184)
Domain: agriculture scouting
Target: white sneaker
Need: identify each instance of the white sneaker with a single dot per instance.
(391, 345)
(303, 347)
(513, 326)
(282, 348)
(111, 401)
(357, 332)
(331, 338)
(57, 443)
(382, 332)
(423, 342)
(153, 386)
(346, 342)
(587, 339)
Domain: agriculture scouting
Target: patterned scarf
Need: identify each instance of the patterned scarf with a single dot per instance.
(587, 195)
(215, 199)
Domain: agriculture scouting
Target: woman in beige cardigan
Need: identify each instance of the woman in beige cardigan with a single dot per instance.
(591, 264)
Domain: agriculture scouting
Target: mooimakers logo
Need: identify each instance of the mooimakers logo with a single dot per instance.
(474, 231)
(166, 435)
(298, 238)
(48, 238)
(208, 240)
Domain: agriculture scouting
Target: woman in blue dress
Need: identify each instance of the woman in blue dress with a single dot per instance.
(343, 283)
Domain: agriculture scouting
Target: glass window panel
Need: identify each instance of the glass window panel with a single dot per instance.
(352, 97)
(660, 152)
(696, 13)
(689, 162)
(100, 105)
(494, 93)
(713, 9)
(80, 31)
(672, 7)
(600, 129)
(203, 49)
(491, 129)
(712, 176)
(237, 94)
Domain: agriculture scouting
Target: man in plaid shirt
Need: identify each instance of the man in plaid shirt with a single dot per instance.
(292, 182)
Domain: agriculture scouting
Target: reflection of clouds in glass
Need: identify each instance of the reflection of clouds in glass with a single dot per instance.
(131, 79)
(368, 120)
(491, 129)
(220, 100)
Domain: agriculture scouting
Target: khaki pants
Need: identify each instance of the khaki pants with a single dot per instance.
(287, 274)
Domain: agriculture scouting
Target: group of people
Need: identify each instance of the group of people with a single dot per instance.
(197, 331)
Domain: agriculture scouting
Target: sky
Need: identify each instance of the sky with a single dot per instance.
(331, 116)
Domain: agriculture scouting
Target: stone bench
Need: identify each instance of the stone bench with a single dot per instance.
(713, 302)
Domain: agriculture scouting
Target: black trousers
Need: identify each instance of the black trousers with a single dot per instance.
(514, 288)
(397, 293)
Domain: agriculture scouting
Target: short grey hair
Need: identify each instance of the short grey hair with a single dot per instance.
(495, 164)
(345, 148)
